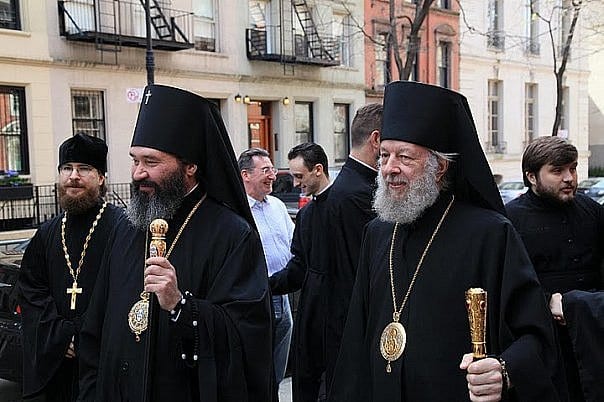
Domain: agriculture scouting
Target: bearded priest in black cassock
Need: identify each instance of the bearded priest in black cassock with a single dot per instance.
(440, 230)
(59, 270)
(213, 330)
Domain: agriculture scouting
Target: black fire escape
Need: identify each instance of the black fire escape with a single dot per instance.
(284, 44)
(112, 24)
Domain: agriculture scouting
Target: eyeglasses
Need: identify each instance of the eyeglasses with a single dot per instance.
(81, 170)
(267, 170)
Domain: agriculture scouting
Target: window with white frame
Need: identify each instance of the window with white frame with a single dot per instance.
(564, 113)
(530, 112)
(382, 69)
(495, 143)
(341, 134)
(9, 14)
(342, 33)
(88, 112)
(566, 11)
(13, 130)
(443, 64)
(495, 34)
(446, 4)
(304, 122)
(532, 27)
(204, 24)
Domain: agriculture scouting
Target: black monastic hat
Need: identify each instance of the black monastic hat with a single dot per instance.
(190, 127)
(82, 148)
(441, 120)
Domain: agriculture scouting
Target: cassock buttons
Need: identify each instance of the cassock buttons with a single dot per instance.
(195, 357)
(194, 323)
(183, 356)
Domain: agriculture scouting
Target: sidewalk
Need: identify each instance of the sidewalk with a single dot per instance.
(285, 390)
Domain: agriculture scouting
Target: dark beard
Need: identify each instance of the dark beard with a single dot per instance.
(81, 203)
(163, 203)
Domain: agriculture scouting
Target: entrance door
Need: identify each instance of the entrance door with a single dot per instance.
(259, 126)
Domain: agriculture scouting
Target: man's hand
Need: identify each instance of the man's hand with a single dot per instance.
(160, 278)
(485, 381)
(555, 306)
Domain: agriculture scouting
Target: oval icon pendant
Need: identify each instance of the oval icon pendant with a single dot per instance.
(392, 342)
(138, 317)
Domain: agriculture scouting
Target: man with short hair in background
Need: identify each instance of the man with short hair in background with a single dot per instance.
(276, 229)
(350, 205)
(563, 232)
(307, 270)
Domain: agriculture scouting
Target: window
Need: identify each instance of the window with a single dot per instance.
(563, 128)
(532, 27)
(495, 34)
(341, 132)
(204, 24)
(565, 17)
(446, 4)
(382, 70)
(9, 14)
(530, 110)
(13, 130)
(343, 38)
(88, 113)
(495, 143)
(443, 64)
(304, 122)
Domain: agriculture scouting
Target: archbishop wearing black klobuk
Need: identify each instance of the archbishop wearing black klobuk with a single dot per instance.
(475, 246)
(218, 347)
(49, 324)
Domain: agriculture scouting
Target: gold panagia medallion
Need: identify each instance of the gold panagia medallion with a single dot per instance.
(138, 317)
(392, 342)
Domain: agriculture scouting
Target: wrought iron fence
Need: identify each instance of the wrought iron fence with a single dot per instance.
(43, 204)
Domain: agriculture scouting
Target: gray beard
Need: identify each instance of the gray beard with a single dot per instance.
(421, 194)
(164, 203)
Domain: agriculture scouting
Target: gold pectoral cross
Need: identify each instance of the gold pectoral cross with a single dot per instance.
(74, 290)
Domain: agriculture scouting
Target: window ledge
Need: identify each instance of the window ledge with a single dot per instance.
(14, 32)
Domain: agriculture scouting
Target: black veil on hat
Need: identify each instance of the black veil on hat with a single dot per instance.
(190, 127)
(441, 120)
(82, 148)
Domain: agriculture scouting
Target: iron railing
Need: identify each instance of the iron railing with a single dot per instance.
(30, 213)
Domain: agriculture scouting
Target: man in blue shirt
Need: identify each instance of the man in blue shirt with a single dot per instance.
(276, 230)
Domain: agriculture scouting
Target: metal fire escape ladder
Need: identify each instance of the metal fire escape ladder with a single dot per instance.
(315, 43)
(107, 24)
(161, 25)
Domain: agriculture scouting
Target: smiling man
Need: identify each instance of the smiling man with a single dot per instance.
(212, 337)
(59, 270)
(307, 270)
(440, 231)
(276, 230)
(563, 232)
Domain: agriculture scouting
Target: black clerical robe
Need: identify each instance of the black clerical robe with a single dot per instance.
(350, 200)
(566, 246)
(219, 260)
(474, 248)
(307, 270)
(584, 316)
(49, 324)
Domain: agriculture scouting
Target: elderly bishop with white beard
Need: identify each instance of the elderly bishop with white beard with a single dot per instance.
(440, 230)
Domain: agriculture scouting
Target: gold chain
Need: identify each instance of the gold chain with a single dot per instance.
(396, 314)
(75, 274)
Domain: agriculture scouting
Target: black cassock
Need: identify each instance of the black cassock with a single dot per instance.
(474, 248)
(584, 316)
(219, 260)
(350, 200)
(48, 322)
(570, 259)
(307, 270)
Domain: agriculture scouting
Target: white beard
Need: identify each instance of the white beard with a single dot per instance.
(421, 194)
